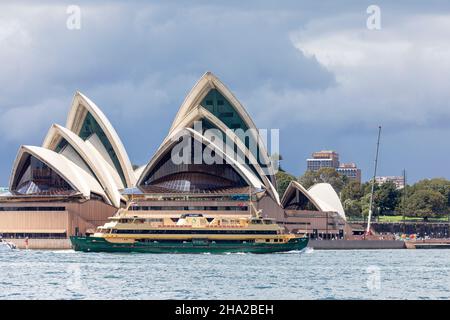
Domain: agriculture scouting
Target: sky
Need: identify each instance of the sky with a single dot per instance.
(311, 69)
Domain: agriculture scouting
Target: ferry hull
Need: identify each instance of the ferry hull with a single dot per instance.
(98, 244)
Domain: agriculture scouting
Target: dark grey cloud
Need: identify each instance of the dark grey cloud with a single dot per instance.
(137, 60)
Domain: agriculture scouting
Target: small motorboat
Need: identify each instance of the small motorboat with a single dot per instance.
(6, 245)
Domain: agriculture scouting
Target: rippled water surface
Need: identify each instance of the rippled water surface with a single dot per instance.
(364, 274)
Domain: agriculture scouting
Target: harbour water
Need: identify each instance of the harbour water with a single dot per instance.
(357, 274)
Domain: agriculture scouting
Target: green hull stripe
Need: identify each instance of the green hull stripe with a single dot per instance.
(92, 244)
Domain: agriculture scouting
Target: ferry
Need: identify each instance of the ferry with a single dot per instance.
(189, 233)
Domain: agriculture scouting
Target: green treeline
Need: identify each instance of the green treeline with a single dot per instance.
(429, 198)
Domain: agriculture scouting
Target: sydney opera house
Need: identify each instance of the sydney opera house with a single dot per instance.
(81, 175)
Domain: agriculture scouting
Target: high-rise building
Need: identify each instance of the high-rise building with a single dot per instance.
(323, 159)
(350, 171)
(399, 181)
(330, 159)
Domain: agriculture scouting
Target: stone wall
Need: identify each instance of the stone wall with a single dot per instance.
(421, 229)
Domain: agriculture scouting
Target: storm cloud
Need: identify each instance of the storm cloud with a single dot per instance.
(312, 70)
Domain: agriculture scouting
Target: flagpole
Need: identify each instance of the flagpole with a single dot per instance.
(373, 183)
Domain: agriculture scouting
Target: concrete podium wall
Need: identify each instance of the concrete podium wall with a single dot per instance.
(44, 244)
(356, 244)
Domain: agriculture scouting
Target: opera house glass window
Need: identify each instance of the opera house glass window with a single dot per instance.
(91, 127)
(192, 177)
(38, 178)
(219, 106)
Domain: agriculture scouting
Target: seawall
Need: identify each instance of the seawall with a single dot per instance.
(421, 229)
(356, 244)
(57, 244)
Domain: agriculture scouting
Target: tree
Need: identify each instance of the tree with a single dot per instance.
(367, 186)
(276, 161)
(387, 198)
(331, 176)
(426, 203)
(326, 175)
(309, 178)
(365, 204)
(352, 191)
(440, 185)
(283, 180)
(352, 207)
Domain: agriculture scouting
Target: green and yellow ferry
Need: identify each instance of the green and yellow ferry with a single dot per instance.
(189, 233)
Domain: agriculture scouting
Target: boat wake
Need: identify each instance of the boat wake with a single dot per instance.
(306, 250)
(6, 246)
(64, 251)
(309, 250)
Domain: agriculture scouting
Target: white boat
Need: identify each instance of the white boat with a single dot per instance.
(5, 245)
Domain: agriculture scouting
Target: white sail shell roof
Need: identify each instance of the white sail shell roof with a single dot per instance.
(90, 156)
(327, 198)
(91, 167)
(321, 195)
(199, 113)
(191, 110)
(75, 176)
(248, 176)
(207, 82)
(85, 164)
(80, 105)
